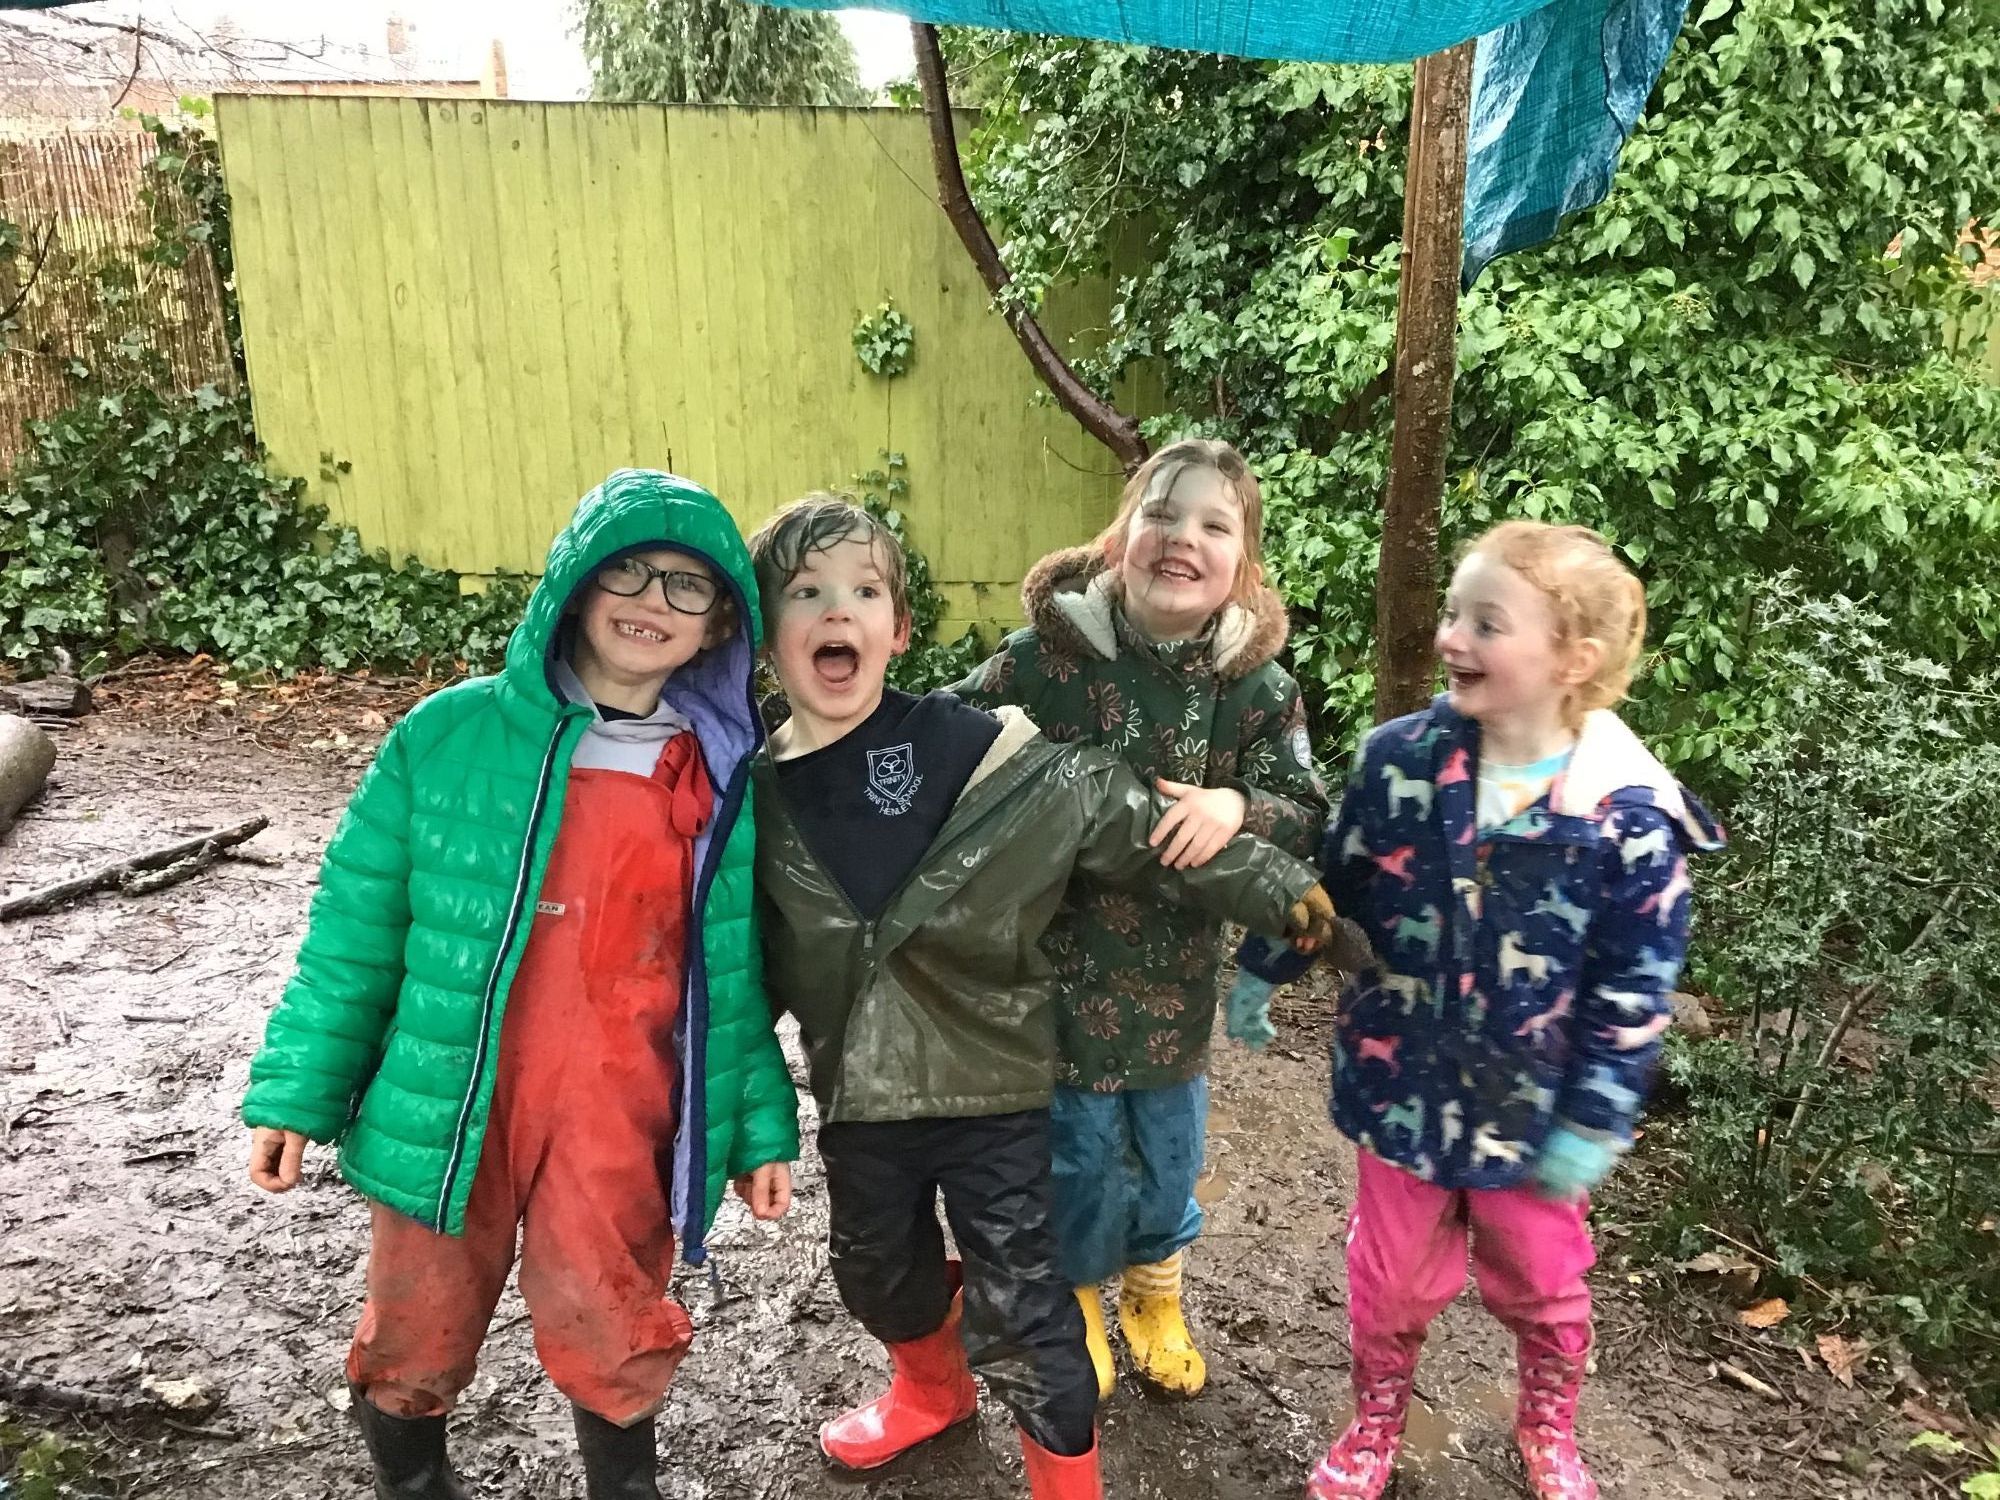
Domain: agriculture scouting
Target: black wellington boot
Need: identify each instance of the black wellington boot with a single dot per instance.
(410, 1462)
(619, 1463)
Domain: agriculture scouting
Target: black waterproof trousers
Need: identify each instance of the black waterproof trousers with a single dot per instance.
(1022, 1327)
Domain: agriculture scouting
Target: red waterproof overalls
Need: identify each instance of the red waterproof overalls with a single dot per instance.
(579, 1138)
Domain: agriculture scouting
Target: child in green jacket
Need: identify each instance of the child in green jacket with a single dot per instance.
(530, 1001)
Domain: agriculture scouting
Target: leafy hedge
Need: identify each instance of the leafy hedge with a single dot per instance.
(1739, 364)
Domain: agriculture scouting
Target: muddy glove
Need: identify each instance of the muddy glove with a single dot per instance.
(1311, 923)
(1570, 1165)
(1249, 1011)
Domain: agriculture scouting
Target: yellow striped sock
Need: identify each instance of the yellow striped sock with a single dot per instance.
(1160, 1280)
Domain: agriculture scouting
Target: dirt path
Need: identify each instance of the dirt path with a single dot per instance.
(130, 1242)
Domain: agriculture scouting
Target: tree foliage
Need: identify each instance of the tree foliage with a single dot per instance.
(1740, 363)
(717, 52)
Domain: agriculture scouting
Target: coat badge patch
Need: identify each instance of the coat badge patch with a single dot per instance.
(893, 778)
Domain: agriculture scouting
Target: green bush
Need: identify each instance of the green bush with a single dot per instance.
(1845, 1122)
(144, 521)
(1737, 365)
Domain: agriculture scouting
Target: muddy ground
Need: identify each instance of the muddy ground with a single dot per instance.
(132, 1245)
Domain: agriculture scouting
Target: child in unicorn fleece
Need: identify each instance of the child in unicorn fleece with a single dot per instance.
(1518, 859)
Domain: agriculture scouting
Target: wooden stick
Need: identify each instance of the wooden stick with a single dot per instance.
(1748, 1381)
(121, 874)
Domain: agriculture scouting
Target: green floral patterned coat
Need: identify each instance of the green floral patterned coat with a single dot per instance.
(1139, 978)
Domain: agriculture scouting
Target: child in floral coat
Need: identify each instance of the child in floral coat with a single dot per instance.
(1158, 641)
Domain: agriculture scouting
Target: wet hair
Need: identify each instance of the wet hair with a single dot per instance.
(1593, 595)
(780, 547)
(1155, 479)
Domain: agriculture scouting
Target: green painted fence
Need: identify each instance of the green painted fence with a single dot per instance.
(458, 315)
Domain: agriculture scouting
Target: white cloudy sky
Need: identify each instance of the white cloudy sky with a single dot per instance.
(543, 58)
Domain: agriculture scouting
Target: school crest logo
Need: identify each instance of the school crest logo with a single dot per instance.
(893, 779)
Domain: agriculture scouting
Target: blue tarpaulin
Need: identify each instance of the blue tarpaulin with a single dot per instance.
(1557, 84)
(1554, 95)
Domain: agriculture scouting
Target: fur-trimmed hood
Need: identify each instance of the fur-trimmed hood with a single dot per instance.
(1070, 596)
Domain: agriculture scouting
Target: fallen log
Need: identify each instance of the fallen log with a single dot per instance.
(58, 697)
(188, 857)
(20, 1388)
(27, 755)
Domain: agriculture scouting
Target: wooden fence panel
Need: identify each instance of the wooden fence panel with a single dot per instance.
(482, 307)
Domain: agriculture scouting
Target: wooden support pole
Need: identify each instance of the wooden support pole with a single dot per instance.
(1406, 584)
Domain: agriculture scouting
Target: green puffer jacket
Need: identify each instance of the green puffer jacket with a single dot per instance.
(388, 1035)
(1140, 979)
(943, 1006)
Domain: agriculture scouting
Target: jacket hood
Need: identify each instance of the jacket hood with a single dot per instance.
(632, 508)
(1071, 596)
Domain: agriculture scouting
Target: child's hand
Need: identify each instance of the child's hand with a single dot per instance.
(1312, 921)
(1201, 821)
(768, 1190)
(275, 1157)
(1249, 1011)
(1570, 1165)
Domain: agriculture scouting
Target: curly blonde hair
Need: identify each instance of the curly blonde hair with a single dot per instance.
(1594, 596)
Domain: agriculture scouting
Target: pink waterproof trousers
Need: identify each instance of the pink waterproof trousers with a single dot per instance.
(1406, 1258)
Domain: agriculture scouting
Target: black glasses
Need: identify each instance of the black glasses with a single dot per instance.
(687, 593)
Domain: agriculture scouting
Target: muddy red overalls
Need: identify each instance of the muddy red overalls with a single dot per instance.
(579, 1138)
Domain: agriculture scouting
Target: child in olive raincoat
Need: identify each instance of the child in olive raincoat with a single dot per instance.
(911, 851)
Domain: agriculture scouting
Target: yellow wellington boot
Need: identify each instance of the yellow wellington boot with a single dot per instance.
(1149, 1310)
(1097, 1340)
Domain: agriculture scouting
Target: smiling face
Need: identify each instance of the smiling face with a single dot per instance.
(1183, 552)
(833, 627)
(627, 647)
(1509, 666)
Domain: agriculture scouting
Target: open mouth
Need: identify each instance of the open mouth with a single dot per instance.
(1463, 678)
(1176, 572)
(640, 633)
(836, 664)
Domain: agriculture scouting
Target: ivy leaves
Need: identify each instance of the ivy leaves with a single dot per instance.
(1741, 363)
(885, 341)
(146, 521)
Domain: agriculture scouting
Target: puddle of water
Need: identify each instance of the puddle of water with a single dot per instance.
(1212, 1187)
(1431, 1436)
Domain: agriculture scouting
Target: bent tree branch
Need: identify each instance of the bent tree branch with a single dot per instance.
(1099, 418)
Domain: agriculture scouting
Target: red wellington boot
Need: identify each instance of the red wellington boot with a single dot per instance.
(1053, 1477)
(930, 1389)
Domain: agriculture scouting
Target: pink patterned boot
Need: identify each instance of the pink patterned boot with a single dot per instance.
(1552, 1363)
(1358, 1465)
